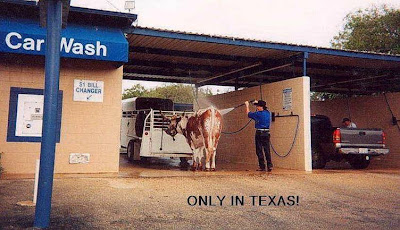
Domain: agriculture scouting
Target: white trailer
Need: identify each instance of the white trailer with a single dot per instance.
(142, 130)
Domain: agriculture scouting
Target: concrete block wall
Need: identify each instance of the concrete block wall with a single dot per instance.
(86, 127)
(240, 147)
(367, 112)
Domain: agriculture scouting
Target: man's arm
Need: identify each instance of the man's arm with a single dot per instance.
(249, 114)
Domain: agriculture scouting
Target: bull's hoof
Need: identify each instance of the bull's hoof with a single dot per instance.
(213, 170)
(208, 170)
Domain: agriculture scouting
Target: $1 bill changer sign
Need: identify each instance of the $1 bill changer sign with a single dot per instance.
(89, 91)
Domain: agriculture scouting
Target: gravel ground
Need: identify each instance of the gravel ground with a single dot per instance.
(346, 199)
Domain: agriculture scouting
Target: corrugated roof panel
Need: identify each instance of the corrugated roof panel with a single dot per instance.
(193, 46)
(251, 61)
(196, 37)
(175, 59)
(354, 62)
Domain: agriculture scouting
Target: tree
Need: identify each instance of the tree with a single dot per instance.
(135, 91)
(322, 96)
(374, 29)
(179, 93)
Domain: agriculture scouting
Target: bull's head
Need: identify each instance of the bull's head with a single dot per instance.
(172, 124)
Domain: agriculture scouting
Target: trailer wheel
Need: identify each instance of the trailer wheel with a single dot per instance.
(184, 162)
(130, 151)
(144, 160)
(359, 161)
(318, 158)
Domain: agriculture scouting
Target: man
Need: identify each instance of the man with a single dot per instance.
(348, 124)
(262, 118)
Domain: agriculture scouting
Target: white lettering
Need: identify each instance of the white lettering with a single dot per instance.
(66, 47)
(39, 44)
(89, 49)
(101, 47)
(78, 48)
(29, 44)
(8, 40)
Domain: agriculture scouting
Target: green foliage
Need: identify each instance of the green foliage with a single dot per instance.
(374, 29)
(179, 93)
(135, 91)
(321, 96)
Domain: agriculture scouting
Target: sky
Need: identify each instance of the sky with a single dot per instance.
(304, 22)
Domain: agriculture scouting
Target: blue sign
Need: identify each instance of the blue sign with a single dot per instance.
(84, 42)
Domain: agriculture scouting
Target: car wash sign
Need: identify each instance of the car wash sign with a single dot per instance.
(83, 42)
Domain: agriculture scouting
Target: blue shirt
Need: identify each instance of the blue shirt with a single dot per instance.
(262, 119)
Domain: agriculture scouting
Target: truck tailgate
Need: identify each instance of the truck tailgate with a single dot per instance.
(361, 137)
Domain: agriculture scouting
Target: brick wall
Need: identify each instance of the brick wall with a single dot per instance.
(86, 127)
(367, 112)
(240, 148)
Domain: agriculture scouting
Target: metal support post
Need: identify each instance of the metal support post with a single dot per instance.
(305, 63)
(47, 151)
(197, 92)
(236, 84)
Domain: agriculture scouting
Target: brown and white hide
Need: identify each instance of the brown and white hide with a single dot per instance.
(202, 131)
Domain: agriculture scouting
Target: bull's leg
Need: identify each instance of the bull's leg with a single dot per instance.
(208, 158)
(214, 153)
(195, 160)
(201, 154)
(213, 160)
(194, 166)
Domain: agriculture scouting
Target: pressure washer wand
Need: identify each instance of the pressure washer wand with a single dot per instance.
(225, 111)
(251, 101)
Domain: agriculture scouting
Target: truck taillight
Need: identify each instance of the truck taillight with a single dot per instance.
(383, 138)
(336, 136)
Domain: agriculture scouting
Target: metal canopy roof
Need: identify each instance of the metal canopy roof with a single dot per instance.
(169, 56)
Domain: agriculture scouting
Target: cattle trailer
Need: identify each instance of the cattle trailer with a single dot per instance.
(142, 130)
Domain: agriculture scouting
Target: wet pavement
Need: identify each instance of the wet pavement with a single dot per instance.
(159, 195)
(167, 167)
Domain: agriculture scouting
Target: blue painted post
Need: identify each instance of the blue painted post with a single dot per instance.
(52, 76)
(305, 63)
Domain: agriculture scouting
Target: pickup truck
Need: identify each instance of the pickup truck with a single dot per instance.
(357, 146)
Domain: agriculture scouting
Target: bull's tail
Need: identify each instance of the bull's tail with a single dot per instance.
(214, 130)
(210, 147)
(211, 132)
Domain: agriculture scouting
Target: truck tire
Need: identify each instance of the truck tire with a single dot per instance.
(130, 151)
(318, 158)
(358, 161)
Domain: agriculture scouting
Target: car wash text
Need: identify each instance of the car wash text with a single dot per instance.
(16, 41)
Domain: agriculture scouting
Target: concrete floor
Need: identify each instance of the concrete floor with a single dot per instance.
(166, 167)
(156, 195)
